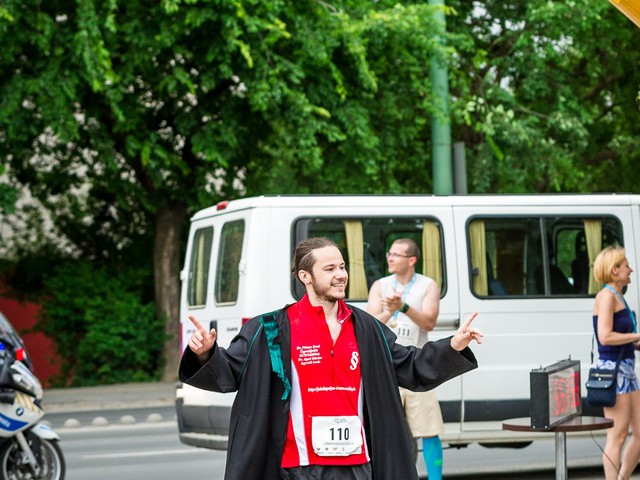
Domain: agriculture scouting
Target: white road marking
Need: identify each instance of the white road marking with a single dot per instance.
(144, 454)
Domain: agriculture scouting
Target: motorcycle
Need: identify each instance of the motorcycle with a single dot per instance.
(29, 449)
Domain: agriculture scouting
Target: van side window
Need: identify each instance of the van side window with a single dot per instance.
(199, 267)
(537, 256)
(365, 241)
(229, 254)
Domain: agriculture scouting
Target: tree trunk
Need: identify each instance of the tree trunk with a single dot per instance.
(167, 258)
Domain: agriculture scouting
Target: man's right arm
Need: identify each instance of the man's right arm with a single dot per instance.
(221, 372)
(202, 341)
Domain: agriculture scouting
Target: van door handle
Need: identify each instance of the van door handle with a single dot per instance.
(447, 322)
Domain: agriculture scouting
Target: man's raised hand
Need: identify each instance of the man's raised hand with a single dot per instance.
(201, 342)
(465, 334)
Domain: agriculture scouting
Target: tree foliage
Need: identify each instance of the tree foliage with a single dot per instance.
(8, 196)
(103, 324)
(545, 95)
(122, 118)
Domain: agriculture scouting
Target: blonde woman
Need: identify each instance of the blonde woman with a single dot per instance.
(615, 328)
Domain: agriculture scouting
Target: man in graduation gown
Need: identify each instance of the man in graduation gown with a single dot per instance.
(317, 382)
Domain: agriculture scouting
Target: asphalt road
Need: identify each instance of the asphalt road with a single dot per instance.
(145, 451)
(151, 451)
(130, 432)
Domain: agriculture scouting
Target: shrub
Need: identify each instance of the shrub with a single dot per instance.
(102, 324)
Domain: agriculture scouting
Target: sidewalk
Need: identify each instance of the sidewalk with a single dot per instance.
(109, 397)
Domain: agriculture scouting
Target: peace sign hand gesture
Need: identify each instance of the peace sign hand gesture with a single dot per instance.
(465, 334)
(201, 342)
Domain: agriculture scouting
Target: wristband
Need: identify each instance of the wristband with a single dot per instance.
(404, 308)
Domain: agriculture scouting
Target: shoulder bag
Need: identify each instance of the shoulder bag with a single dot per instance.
(601, 384)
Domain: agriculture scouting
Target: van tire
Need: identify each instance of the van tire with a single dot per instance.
(505, 444)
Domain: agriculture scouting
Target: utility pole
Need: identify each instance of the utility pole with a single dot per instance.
(441, 124)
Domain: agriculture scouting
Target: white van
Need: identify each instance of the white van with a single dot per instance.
(522, 261)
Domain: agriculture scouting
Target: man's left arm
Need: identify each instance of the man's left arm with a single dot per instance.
(436, 362)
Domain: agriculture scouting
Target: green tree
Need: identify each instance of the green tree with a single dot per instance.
(123, 117)
(546, 95)
(8, 196)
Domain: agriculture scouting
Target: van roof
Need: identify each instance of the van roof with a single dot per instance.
(417, 200)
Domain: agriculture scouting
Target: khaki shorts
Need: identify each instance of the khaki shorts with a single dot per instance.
(423, 413)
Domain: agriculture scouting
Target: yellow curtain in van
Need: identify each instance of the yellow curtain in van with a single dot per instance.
(431, 253)
(199, 280)
(479, 258)
(593, 235)
(355, 248)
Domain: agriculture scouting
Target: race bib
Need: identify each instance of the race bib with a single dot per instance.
(408, 333)
(336, 436)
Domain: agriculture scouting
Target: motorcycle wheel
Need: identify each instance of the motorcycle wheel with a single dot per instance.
(14, 465)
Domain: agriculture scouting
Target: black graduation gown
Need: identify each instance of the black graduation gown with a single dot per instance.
(259, 415)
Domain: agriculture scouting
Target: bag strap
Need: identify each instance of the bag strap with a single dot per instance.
(631, 314)
(268, 321)
(626, 305)
(619, 354)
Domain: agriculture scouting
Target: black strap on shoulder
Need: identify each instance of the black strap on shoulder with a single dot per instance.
(268, 321)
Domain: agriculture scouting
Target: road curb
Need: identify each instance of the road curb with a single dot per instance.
(101, 421)
(109, 397)
(108, 405)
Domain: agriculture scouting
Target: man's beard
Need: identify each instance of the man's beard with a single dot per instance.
(322, 293)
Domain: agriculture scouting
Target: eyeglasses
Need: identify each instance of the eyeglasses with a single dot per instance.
(391, 254)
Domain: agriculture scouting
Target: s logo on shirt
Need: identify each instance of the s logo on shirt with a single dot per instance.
(355, 358)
